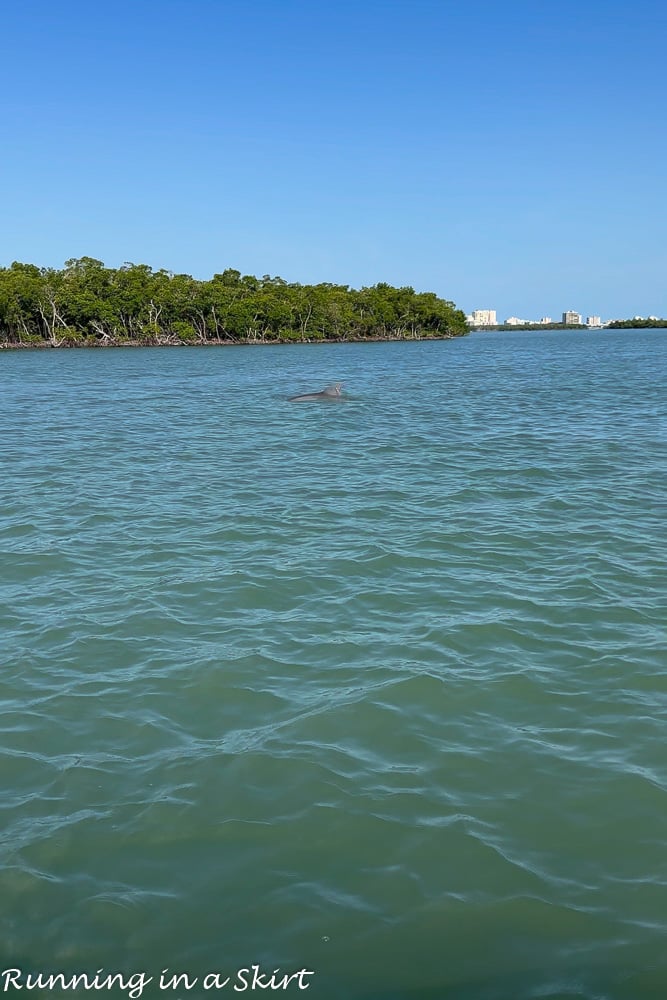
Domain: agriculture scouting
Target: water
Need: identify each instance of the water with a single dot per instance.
(375, 690)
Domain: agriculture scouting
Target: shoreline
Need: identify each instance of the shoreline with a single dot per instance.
(94, 346)
(86, 344)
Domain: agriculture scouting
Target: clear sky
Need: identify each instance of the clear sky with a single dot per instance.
(507, 154)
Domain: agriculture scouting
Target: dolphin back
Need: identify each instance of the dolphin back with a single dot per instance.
(331, 392)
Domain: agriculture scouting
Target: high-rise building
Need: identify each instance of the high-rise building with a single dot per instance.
(593, 321)
(572, 318)
(483, 317)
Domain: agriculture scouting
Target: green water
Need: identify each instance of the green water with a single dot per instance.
(375, 689)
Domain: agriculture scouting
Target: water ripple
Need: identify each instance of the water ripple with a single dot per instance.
(377, 689)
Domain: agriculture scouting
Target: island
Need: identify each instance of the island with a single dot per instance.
(86, 304)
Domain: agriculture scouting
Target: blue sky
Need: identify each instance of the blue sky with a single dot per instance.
(508, 155)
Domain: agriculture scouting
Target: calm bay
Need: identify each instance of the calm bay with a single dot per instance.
(375, 689)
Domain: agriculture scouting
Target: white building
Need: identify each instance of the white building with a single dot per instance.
(483, 317)
(593, 321)
(571, 317)
(515, 321)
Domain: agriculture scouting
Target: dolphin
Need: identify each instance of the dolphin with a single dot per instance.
(330, 393)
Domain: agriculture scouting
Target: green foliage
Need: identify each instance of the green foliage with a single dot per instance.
(531, 326)
(185, 332)
(638, 324)
(88, 303)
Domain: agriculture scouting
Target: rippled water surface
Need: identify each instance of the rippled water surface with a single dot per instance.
(375, 689)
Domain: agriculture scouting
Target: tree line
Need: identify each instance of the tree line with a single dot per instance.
(638, 324)
(88, 304)
(534, 326)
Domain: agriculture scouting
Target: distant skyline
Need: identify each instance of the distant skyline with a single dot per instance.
(505, 156)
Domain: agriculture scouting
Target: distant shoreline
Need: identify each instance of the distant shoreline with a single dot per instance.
(618, 324)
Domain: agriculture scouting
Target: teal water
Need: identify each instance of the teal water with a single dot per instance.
(375, 689)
